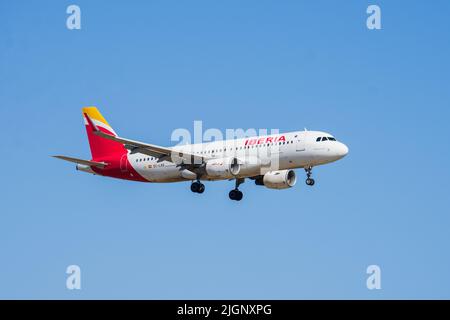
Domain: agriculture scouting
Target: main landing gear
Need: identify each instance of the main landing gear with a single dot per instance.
(197, 187)
(236, 194)
(309, 181)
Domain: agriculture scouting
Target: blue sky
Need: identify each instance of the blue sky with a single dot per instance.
(154, 66)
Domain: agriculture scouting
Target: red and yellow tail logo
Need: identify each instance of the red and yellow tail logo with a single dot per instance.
(97, 118)
(100, 147)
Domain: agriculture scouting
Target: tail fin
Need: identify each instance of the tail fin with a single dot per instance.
(100, 147)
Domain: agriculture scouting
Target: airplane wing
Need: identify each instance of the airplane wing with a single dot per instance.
(162, 153)
(85, 162)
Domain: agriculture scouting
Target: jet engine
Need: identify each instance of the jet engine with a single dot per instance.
(224, 168)
(249, 166)
(279, 179)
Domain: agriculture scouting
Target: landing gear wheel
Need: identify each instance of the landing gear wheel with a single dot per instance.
(309, 181)
(195, 186)
(236, 195)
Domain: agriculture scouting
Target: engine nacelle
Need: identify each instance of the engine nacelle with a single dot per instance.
(280, 179)
(224, 168)
(250, 166)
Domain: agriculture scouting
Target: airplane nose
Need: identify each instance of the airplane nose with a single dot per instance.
(343, 150)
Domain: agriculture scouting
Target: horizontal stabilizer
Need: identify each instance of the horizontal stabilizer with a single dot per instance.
(100, 165)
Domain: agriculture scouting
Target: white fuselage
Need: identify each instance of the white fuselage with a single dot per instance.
(299, 149)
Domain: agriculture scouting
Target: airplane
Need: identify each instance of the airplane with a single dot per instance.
(269, 160)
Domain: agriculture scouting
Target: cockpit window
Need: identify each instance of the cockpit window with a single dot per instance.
(325, 139)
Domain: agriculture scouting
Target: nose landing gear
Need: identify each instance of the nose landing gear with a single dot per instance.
(236, 194)
(309, 181)
(197, 187)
